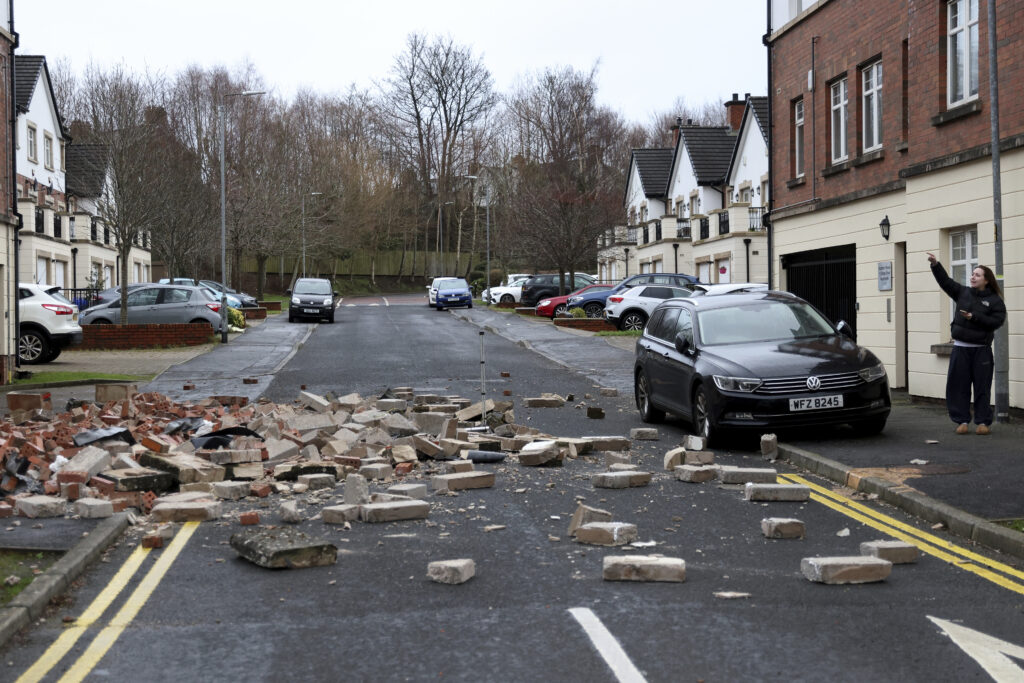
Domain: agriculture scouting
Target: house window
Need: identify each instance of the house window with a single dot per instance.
(961, 51)
(62, 155)
(32, 151)
(839, 101)
(872, 106)
(47, 151)
(798, 139)
(963, 250)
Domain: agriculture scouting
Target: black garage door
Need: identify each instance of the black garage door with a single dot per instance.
(827, 278)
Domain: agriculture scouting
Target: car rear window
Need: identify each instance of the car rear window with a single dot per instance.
(56, 294)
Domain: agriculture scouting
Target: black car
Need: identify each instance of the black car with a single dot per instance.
(540, 287)
(312, 297)
(759, 360)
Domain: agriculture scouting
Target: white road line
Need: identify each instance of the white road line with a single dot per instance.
(386, 303)
(607, 646)
(991, 654)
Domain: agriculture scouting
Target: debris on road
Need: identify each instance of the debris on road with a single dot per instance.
(452, 572)
(283, 548)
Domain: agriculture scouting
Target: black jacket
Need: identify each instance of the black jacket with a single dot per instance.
(988, 312)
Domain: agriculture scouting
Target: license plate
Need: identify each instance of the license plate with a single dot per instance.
(816, 403)
(310, 310)
(74, 317)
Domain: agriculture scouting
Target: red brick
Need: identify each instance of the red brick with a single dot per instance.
(249, 518)
(404, 467)
(72, 477)
(260, 490)
(6, 510)
(153, 541)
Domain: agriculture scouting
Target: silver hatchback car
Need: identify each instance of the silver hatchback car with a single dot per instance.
(154, 304)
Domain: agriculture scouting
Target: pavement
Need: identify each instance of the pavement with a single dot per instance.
(965, 483)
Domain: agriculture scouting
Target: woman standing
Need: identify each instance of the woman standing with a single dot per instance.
(980, 312)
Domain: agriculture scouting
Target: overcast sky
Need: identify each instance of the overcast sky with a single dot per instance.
(650, 52)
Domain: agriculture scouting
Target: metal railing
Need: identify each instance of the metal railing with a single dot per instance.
(657, 232)
(683, 229)
(83, 297)
(631, 234)
(647, 235)
(755, 218)
(723, 223)
(705, 228)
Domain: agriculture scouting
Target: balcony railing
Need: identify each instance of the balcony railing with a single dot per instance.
(631, 235)
(705, 228)
(657, 232)
(723, 223)
(647, 235)
(683, 229)
(755, 218)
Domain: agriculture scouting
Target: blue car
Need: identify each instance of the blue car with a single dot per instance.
(453, 292)
(593, 302)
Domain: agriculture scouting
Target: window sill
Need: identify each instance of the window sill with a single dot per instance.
(836, 168)
(796, 182)
(956, 113)
(902, 147)
(942, 349)
(868, 157)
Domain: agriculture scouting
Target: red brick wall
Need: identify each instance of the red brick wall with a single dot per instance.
(144, 336)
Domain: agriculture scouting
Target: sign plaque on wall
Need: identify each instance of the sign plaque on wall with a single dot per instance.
(885, 276)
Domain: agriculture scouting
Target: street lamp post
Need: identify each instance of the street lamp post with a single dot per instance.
(487, 204)
(223, 221)
(440, 233)
(310, 194)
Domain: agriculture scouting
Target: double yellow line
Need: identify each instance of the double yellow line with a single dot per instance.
(109, 635)
(1002, 575)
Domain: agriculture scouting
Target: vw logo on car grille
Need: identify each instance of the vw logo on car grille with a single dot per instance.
(813, 383)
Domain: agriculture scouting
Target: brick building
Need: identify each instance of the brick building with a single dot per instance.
(8, 203)
(880, 153)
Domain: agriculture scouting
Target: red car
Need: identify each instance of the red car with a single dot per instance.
(552, 306)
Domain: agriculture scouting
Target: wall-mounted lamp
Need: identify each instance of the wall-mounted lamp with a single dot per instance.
(884, 227)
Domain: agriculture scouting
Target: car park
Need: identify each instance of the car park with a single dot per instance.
(159, 304)
(555, 305)
(545, 285)
(453, 292)
(630, 309)
(311, 297)
(48, 321)
(593, 303)
(758, 360)
(506, 294)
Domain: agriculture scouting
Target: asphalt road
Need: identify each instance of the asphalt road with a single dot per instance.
(374, 616)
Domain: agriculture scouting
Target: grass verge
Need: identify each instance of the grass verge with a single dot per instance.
(621, 333)
(18, 568)
(54, 376)
(1015, 524)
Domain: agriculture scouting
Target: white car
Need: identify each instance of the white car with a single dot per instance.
(49, 323)
(630, 309)
(729, 288)
(433, 287)
(506, 294)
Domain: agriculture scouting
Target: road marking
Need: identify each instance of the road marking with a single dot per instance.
(607, 646)
(60, 647)
(386, 303)
(109, 635)
(928, 543)
(991, 654)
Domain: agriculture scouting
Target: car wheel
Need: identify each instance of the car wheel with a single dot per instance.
(594, 310)
(559, 310)
(870, 426)
(634, 320)
(203, 322)
(54, 352)
(702, 416)
(100, 321)
(642, 393)
(330, 319)
(507, 299)
(470, 305)
(440, 307)
(33, 347)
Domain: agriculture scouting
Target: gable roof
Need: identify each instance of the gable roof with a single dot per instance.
(86, 169)
(654, 166)
(756, 109)
(710, 150)
(28, 69)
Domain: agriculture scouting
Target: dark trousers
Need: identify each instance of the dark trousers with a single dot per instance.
(969, 367)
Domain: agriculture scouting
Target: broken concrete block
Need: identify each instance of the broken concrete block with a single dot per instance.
(608, 443)
(231, 456)
(198, 511)
(123, 461)
(595, 413)
(452, 466)
(369, 418)
(280, 449)
(186, 469)
(283, 548)
(417, 491)
(844, 570)
(387, 497)
(231, 490)
(106, 393)
(540, 453)
(674, 458)
(431, 422)
(339, 514)
(451, 571)
(379, 471)
(622, 467)
(606, 533)
(399, 425)
(770, 447)
(93, 508)
(544, 402)
(28, 401)
(780, 493)
(392, 405)
(402, 453)
(694, 443)
(475, 411)
(782, 527)
(290, 512)
(744, 475)
(614, 458)
(199, 486)
(585, 514)
(314, 401)
(609, 391)
(357, 490)
(90, 459)
(36, 507)
(620, 480)
(696, 474)
(644, 434)
(316, 482)
(698, 458)
(245, 470)
(897, 552)
(394, 512)
(643, 568)
(140, 479)
(462, 480)
(310, 423)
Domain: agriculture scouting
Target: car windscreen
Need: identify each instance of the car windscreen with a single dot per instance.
(763, 320)
(315, 287)
(453, 284)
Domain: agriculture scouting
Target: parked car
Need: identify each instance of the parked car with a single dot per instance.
(230, 299)
(177, 281)
(245, 300)
(312, 297)
(554, 306)
(540, 286)
(114, 293)
(507, 294)
(593, 302)
(453, 292)
(49, 323)
(157, 304)
(433, 287)
(630, 309)
(728, 288)
(760, 360)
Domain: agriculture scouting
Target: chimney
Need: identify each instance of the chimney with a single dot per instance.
(734, 111)
(675, 131)
(80, 130)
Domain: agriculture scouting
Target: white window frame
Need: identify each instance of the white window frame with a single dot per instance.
(32, 140)
(966, 243)
(48, 151)
(961, 69)
(871, 105)
(798, 138)
(839, 99)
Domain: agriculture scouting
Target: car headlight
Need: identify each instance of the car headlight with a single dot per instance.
(295, 300)
(546, 302)
(327, 301)
(744, 384)
(873, 373)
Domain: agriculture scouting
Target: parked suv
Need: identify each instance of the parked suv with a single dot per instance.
(543, 286)
(593, 302)
(49, 323)
(312, 297)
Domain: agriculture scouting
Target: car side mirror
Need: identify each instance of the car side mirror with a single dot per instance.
(287, 292)
(683, 344)
(844, 329)
(335, 293)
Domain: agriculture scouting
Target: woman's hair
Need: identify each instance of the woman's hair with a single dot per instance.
(990, 278)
